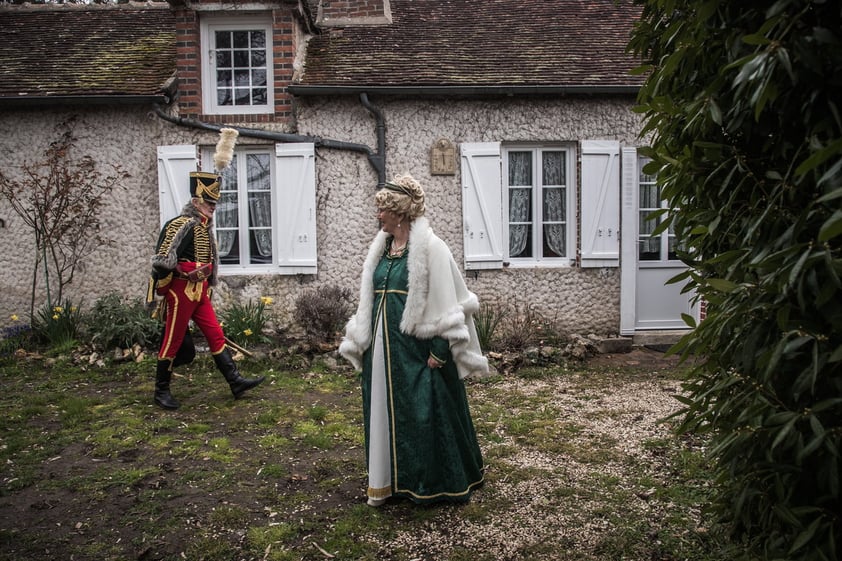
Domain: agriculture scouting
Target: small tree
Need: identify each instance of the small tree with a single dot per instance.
(61, 201)
(743, 106)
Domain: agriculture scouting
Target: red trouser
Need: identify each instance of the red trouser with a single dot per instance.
(188, 300)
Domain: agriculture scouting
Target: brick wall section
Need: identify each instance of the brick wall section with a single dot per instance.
(340, 9)
(189, 65)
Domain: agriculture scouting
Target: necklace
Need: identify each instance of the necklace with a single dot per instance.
(394, 250)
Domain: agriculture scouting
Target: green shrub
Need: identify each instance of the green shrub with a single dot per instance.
(118, 322)
(58, 325)
(487, 320)
(322, 312)
(747, 148)
(244, 323)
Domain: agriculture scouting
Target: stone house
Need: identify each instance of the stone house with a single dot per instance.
(515, 116)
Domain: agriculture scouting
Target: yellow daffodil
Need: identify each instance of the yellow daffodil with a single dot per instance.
(58, 309)
(266, 300)
(247, 332)
(55, 316)
(14, 317)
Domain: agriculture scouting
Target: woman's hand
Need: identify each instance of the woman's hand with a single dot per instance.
(433, 362)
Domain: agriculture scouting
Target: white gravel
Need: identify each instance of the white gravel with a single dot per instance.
(555, 506)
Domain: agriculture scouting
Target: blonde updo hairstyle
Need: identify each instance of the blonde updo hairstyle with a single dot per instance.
(402, 195)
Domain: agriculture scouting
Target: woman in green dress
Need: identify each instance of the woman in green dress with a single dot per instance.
(414, 339)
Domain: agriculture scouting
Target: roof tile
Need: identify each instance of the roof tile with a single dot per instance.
(481, 43)
(91, 50)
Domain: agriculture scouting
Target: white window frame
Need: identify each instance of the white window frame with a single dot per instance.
(211, 24)
(293, 186)
(538, 260)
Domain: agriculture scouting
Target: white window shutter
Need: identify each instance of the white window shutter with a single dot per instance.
(174, 166)
(600, 201)
(628, 241)
(482, 205)
(295, 178)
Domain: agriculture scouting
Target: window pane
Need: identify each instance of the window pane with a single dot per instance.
(223, 96)
(520, 205)
(555, 240)
(240, 39)
(258, 58)
(258, 96)
(520, 238)
(258, 40)
(241, 78)
(241, 59)
(555, 207)
(520, 168)
(650, 196)
(649, 248)
(258, 77)
(223, 39)
(242, 96)
(553, 169)
(223, 59)
(259, 169)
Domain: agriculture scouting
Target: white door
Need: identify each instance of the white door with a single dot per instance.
(647, 302)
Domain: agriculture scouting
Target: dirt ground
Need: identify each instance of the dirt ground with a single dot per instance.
(47, 520)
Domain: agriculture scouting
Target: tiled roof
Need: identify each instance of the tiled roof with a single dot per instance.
(481, 43)
(60, 51)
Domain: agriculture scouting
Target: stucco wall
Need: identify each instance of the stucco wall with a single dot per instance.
(580, 300)
(124, 136)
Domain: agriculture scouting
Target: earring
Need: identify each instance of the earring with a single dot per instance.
(399, 224)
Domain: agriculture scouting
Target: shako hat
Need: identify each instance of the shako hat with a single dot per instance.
(205, 185)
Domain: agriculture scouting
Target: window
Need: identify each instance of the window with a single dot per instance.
(519, 204)
(265, 221)
(244, 213)
(537, 204)
(237, 66)
(660, 247)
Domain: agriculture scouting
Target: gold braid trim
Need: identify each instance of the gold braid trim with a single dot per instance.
(173, 229)
(202, 244)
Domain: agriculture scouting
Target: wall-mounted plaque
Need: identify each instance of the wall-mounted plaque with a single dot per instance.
(443, 158)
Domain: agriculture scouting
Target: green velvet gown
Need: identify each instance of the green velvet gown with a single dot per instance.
(419, 436)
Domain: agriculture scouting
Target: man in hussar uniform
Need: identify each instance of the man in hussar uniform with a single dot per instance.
(184, 270)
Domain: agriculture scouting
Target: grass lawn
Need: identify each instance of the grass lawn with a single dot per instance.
(580, 467)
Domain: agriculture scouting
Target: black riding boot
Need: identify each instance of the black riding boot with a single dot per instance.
(162, 386)
(186, 352)
(238, 384)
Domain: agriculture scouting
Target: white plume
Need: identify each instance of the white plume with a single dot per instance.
(225, 148)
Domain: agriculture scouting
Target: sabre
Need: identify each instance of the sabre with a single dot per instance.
(237, 347)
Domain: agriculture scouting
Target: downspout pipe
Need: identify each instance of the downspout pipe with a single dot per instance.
(376, 160)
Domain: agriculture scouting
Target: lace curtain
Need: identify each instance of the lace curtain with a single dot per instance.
(520, 201)
(226, 211)
(554, 211)
(260, 203)
(554, 181)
